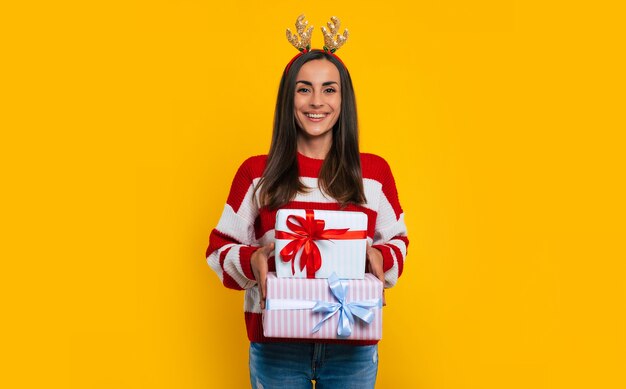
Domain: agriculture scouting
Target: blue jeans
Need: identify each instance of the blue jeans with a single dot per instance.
(294, 365)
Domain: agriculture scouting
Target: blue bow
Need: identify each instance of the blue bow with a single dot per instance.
(347, 311)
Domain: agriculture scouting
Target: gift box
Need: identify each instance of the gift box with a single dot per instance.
(323, 308)
(315, 243)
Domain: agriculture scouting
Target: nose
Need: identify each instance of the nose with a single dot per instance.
(316, 99)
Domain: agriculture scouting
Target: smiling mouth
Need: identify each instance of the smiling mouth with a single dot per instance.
(316, 115)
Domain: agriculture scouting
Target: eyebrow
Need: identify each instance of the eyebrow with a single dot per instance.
(311, 84)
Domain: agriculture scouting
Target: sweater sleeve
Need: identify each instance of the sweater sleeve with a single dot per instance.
(390, 235)
(232, 242)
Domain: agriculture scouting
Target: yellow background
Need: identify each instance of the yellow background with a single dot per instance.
(123, 123)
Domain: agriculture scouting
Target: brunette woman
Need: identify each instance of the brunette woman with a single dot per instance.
(313, 163)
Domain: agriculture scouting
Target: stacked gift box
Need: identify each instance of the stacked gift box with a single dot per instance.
(320, 289)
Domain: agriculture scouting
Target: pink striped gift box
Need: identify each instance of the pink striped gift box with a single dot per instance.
(288, 312)
(316, 243)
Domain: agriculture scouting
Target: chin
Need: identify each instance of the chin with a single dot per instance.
(316, 132)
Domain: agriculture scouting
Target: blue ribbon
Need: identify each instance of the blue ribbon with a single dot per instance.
(347, 311)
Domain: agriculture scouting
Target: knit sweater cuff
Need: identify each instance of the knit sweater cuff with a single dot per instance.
(245, 254)
(387, 256)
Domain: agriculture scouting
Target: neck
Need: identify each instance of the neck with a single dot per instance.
(316, 148)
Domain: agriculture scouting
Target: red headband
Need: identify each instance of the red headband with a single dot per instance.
(306, 51)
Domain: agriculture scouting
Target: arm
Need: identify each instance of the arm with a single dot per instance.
(390, 236)
(232, 242)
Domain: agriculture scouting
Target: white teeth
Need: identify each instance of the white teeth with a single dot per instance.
(316, 115)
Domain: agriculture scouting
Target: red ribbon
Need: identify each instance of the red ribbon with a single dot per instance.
(304, 234)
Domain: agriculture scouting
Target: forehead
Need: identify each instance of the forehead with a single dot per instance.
(318, 70)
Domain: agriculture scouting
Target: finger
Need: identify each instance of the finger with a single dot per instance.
(263, 284)
(368, 249)
(381, 275)
(257, 277)
(261, 290)
(377, 270)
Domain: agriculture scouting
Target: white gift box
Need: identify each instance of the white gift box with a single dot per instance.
(290, 312)
(317, 243)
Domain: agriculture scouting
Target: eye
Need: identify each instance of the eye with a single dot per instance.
(302, 90)
(329, 90)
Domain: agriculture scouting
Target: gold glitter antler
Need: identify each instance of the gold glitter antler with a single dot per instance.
(304, 43)
(330, 44)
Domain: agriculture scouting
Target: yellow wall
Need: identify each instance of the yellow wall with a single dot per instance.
(124, 122)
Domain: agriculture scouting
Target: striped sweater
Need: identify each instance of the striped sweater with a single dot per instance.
(243, 228)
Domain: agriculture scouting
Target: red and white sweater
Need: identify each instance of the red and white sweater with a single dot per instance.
(243, 228)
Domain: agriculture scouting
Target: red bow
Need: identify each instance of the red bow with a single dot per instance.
(305, 233)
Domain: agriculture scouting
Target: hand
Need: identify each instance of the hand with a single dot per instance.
(258, 262)
(375, 266)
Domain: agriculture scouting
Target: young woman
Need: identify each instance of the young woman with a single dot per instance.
(313, 163)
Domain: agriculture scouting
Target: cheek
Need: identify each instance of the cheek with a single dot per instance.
(336, 113)
(299, 101)
(337, 107)
(337, 104)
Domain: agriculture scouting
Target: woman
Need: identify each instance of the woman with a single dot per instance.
(314, 163)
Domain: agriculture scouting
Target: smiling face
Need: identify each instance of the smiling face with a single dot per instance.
(317, 101)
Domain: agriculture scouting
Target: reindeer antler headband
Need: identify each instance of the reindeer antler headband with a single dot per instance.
(303, 43)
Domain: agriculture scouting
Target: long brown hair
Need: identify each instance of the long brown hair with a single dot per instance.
(340, 175)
